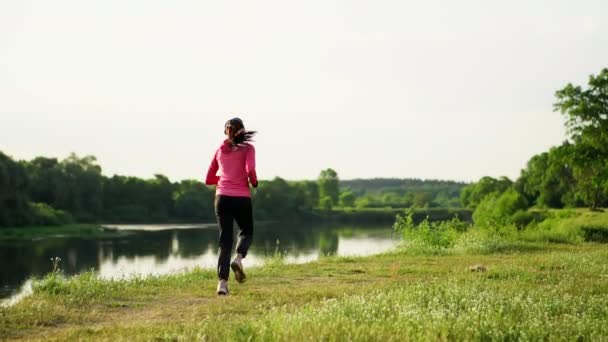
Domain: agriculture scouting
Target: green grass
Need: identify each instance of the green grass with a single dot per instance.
(570, 226)
(555, 291)
(76, 230)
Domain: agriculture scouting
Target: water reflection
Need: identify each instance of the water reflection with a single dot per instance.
(156, 249)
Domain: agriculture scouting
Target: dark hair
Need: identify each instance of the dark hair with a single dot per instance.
(243, 136)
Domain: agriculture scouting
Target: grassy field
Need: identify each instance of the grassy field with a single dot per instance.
(532, 289)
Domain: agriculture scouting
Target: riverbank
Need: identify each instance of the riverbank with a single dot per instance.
(387, 215)
(337, 215)
(532, 291)
(68, 230)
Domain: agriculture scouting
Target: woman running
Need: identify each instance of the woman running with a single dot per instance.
(233, 169)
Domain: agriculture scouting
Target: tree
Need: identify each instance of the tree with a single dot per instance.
(364, 201)
(307, 195)
(497, 209)
(46, 180)
(347, 199)
(82, 179)
(159, 199)
(586, 112)
(329, 185)
(473, 194)
(14, 205)
(422, 199)
(326, 203)
(193, 201)
(590, 168)
(275, 199)
(548, 178)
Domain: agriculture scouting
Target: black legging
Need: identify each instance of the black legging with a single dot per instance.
(227, 210)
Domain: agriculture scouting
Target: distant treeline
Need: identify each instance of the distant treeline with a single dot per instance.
(404, 193)
(573, 174)
(48, 191)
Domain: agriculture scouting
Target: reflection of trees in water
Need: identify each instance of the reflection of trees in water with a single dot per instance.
(157, 244)
(24, 259)
(328, 243)
(294, 239)
(194, 242)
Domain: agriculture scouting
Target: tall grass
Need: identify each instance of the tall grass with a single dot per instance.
(569, 226)
(89, 288)
(548, 226)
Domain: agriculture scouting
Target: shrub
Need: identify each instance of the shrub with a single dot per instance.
(568, 226)
(497, 210)
(326, 203)
(435, 235)
(45, 215)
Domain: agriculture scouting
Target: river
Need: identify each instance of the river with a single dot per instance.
(164, 249)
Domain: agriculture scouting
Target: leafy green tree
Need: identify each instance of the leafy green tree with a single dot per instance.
(365, 201)
(586, 112)
(473, 194)
(46, 180)
(590, 168)
(422, 199)
(159, 198)
(347, 199)
(73, 184)
(391, 199)
(124, 199)
(326, 203)
(275, 199)
(193, 201)
(45, 215)
(444, 199)
(548, 179)
(306, 195)
(14, 205)
(497, 209)
(329, 185)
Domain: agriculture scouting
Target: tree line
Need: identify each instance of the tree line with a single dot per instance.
(573, 174)
(404, 193)
(48, 191)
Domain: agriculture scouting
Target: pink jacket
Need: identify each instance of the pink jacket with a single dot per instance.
(232, 170)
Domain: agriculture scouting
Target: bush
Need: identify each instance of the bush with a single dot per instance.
(569, 226)
(497, 210)
(523, 219)
(435, 235)
(326, 203)
(45, 215)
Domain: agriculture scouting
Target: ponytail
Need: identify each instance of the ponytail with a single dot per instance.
(238, 135)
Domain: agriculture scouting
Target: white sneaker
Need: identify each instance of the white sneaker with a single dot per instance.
(237, 268)
(222, 288)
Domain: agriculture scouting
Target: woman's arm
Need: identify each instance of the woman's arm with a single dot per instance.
(212, 177)
(250, 166)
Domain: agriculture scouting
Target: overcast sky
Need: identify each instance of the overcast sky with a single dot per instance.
(427, 89)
